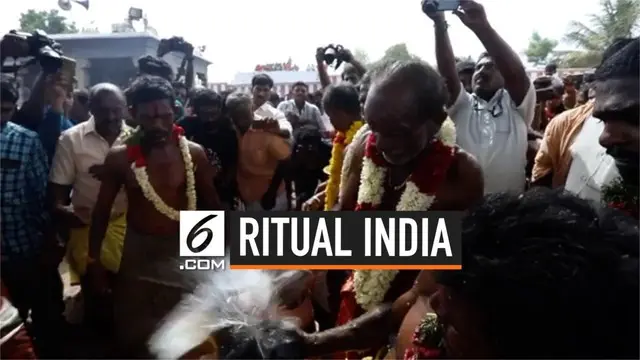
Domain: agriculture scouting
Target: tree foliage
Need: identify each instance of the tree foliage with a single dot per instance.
(616, 19)
(539, 49)
(52, 22)
(361, 55)
(397, 52)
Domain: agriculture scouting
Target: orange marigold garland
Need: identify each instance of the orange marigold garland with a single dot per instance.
(340, 142)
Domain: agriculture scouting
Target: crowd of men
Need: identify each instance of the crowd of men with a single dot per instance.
(547, 172)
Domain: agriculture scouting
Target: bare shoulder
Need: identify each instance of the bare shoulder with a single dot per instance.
(360, 141)
(468, 177)
(196, 150)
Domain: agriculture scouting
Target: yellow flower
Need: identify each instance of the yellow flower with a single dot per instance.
(335, 165)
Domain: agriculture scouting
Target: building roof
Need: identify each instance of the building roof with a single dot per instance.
(102, 36)
(279, 77)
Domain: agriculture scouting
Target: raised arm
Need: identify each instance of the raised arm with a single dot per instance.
(322, 70)
(516, 80)
(444, 55)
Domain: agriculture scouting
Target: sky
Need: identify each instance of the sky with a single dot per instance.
(238, 34)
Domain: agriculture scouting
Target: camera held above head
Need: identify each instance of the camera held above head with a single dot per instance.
(333, 53)
(37, 45)
(174, 44)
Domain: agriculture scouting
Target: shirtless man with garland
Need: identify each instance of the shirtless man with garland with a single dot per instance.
(403, 170)
(162, 173)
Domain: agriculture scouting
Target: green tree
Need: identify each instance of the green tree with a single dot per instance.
(52, 22)
(361, 56)
(539, 49)
(616, 19)
(398, 52)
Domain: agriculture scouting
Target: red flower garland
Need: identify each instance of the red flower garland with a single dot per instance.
(428, 175)
(340, 138)
(134, 149)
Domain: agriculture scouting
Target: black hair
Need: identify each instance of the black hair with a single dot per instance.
(262, 80)
(588, 78)
(307, 135)
(267, 340)
(274, 97)
(343, 97)
(483, 55)
(148, 88)
(204, 97)
(299, 83)
(178, 85)
(552, 68)
(81, 96)
(312, 136)
(623, 64)
(9, 90)
(427, 87)
(465, 66)
(553, 275)
(150, 65)
(234, 102)
(617, 45)
(374, 70)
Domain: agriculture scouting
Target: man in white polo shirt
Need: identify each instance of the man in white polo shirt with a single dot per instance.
(261, 85)
(491, 122)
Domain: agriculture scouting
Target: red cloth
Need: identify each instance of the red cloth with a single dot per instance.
(349, 310)
(18, 346)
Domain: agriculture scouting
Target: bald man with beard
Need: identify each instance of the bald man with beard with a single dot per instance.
(74, 184)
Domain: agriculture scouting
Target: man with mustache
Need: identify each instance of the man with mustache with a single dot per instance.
(492, 122)
(617, 105)
(261, 86)
(162, 173)
(570, 155)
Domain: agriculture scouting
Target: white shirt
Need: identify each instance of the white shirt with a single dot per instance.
(499, 143)
(309, 115)
(591, 166)
(268, 111)
(78, 149)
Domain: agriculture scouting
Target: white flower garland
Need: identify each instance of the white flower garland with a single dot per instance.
(150, 194)
(371, 286)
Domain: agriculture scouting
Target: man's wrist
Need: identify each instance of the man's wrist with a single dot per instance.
(441, 24)
(482, 28)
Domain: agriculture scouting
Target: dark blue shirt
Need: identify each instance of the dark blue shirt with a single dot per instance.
(50, 129)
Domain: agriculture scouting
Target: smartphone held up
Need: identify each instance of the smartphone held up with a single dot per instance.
(431, 6)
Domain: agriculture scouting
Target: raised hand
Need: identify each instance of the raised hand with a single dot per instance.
(320, 54)
(472, 14)
(344, 54)
(431, 12)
